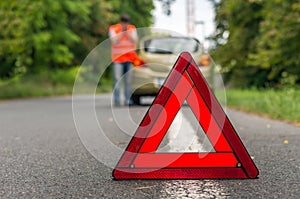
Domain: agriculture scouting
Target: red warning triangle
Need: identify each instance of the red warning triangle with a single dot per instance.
(141, 159)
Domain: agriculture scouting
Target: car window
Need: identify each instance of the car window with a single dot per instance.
(168, 45)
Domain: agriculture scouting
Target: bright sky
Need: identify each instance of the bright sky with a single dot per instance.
(177, 20)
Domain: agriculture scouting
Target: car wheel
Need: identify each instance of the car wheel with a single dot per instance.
(136, 99)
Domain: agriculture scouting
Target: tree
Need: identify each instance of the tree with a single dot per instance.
(37, 34)
(237, 24)
(50, 34)
(101, 16)
(139, 11)
(257, 41)
(278, 43)
(13, 51)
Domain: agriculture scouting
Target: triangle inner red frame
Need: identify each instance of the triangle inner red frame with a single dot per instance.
(230, 159)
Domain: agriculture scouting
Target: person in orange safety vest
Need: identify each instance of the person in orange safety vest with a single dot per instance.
(123, 38)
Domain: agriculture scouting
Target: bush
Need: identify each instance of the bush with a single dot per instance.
(64, 76)
(48, 83)
(45, 83)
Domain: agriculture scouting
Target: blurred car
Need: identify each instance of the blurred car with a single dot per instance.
(156, 57)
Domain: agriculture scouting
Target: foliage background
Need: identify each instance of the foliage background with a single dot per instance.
(257, 42)
(46, 35)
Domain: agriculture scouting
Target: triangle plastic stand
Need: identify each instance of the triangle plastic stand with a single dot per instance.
(140, 159)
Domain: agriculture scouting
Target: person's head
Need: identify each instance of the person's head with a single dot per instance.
(124, 20)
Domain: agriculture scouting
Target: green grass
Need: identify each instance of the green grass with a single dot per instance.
(54, 83)
(278, 104)
(281, 104)
(30, 89)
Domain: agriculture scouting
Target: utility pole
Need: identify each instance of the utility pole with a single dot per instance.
(202, 23)
(191, 22)
(190, 17)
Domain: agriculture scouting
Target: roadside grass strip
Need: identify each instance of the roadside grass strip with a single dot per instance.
(277, 104)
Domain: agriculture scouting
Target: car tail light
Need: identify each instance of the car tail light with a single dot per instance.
(138, 62)
(204, 60)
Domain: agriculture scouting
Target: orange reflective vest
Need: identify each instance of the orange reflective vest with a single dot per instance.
(124, 49)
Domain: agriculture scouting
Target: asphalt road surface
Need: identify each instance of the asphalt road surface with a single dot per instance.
(43, 154)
